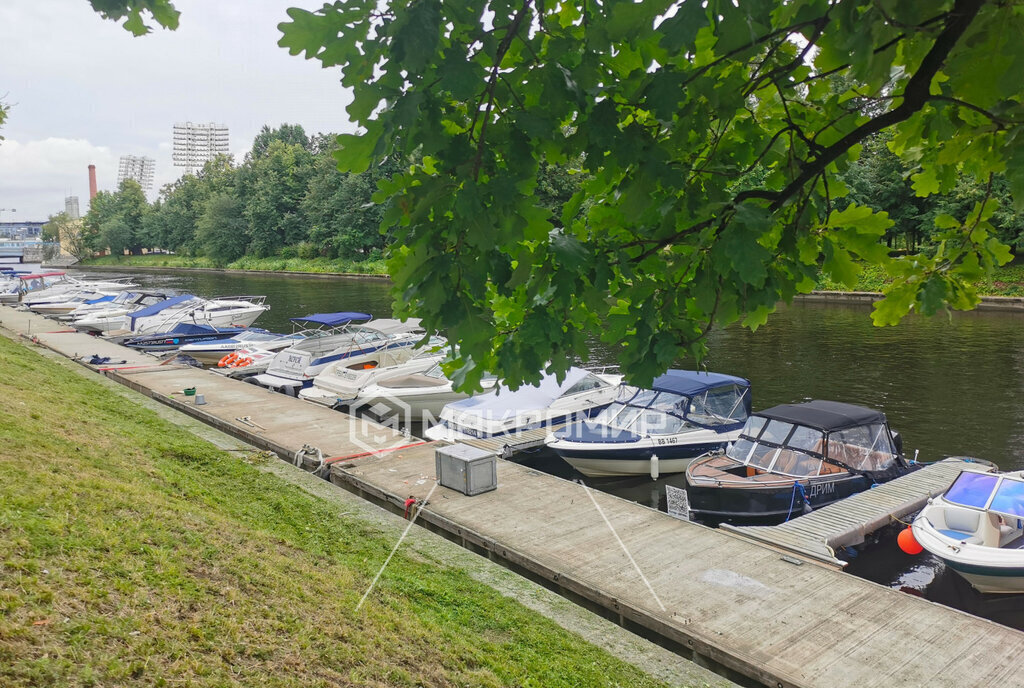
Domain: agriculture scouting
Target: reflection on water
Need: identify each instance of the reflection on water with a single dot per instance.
(950, 385)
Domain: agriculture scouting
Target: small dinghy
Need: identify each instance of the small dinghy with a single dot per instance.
(977, 528)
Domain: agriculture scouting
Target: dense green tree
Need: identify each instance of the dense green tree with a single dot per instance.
(117, 235)
(673, 107)
(880, 180)
(286, 133)
(131, 208)
(275, 185)
(221, 230)
(102, 209)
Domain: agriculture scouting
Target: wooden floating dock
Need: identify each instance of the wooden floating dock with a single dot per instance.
(728, 602)
(507, 445)
(846, 523)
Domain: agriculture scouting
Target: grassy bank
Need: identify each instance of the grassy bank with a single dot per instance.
(1007, 280)
(132, 552)
(275, 264)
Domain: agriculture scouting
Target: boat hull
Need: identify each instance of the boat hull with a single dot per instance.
(990, 579)
(769, 504)
(609, 460)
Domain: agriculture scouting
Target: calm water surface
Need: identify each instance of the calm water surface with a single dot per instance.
(950, 385)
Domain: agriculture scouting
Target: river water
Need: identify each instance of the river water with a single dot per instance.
(949, 384)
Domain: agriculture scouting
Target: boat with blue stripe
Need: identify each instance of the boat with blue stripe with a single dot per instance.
(684, 414)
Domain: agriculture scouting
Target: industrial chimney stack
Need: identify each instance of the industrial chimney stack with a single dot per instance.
(92, 182)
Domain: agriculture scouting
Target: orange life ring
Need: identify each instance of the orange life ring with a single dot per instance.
(225, 361)
(242, 362)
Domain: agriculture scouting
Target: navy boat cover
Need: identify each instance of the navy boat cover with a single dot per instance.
(332, 319)
(157, 307)
(824, 415)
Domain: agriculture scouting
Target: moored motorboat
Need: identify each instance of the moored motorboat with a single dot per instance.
(211, 352)
(548, 403)
(220, 312)
(977, 528)
(416, 397)
(294, 368)
(341, 383)
(794, 458)
(683, 415)
(179, 335)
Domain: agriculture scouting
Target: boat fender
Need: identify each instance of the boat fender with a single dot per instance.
(409, 503)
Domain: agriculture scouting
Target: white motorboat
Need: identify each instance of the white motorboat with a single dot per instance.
(66, 287)
(108, 314)
(212, 352)
(548, 403)
(417, 397)
(977, 528)
(71, 301)
(220, 312)
(341, 383)
(16, 286)
(338, 339)
(684, 414)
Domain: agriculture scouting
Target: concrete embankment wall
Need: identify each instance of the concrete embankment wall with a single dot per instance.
(223, 271)
(988, 303)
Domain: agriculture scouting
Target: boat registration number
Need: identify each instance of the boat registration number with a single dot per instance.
(666, 440)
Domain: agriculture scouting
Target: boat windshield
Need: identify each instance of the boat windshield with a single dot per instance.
(648, 412)
(779, 447)
(864, 447)
(792, 449)
(1000, 493)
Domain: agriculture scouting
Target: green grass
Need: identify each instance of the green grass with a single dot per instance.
(273, 264)
(1007, 280)
(134, 553)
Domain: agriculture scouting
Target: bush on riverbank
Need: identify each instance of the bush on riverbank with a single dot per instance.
(132, 552)
(272, 264)
(1007, 280)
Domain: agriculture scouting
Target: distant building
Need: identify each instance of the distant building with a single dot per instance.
(137, 167)
(195, 144)
(21, 230)
(71, 207)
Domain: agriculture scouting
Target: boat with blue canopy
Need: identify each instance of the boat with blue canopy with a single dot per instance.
(977, 528)
(683, 415)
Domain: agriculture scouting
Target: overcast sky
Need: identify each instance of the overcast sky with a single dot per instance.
(83, 90)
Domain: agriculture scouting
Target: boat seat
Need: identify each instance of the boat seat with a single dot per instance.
(962, 524)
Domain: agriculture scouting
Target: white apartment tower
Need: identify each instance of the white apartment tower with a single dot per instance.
(194, 144)
(71, 207)
(137, 167)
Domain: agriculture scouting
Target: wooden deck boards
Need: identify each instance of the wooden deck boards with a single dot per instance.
(846, 522)
(741, 603)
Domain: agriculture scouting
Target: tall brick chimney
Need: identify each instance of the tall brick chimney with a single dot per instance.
(92, 182)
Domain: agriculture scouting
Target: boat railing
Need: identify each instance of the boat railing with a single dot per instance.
(602, 370)
(256, 300)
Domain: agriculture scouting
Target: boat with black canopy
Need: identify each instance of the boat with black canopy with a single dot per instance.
(794, 458)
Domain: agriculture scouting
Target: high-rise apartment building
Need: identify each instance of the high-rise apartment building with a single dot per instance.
(71, 207)
(194, 144)
(137, 167)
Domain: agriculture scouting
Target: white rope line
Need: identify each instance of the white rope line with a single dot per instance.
(623, 546)
(397, 545)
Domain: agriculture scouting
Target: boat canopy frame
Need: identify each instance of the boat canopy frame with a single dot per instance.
(812, 430)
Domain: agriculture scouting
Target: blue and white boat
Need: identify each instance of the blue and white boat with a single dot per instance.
(684, 414)
(180, 335)
(334, 337)
(977, 528)
(548, 403)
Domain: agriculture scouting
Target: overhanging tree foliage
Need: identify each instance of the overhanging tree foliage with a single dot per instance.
(711, 136)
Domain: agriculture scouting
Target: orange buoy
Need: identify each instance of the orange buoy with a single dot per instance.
(907, 542)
